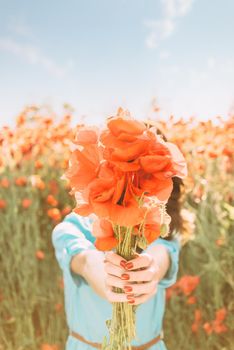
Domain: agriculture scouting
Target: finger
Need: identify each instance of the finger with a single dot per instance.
(113, 269)
(115, 258)
(114, 281)
(143, 298)
(141, 288)
(143, 260)
(146, 275)
(115, 297)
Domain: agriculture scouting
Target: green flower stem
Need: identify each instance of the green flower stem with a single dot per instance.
(122, 326)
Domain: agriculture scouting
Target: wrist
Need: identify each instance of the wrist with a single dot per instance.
(94, 271)
(161, 260)
(78, 263)
(93, 260)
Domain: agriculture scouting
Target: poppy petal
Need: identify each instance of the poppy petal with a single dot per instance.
(152, 232)
(130, 153)
(83, 210)
(161, 189)
(126, 166)
(86, 136)
(130, 126)
(102, 228)
(154, 163)
(106, 243)
(126, 216)
(119, 189)
(179, 163)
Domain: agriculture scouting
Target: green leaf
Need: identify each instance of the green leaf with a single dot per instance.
(142, 243)
(164, 229)
(230, 210)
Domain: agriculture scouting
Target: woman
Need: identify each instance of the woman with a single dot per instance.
(90, 274)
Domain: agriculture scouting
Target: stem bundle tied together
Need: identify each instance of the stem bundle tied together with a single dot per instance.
(122, 326)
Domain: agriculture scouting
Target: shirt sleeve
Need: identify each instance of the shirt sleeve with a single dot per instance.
(68, 239)
(173, 246)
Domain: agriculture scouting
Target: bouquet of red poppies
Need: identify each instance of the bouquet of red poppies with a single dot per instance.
(123, 173)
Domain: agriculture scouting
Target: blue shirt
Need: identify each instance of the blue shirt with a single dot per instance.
(86, 311)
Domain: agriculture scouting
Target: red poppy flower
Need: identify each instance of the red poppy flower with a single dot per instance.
(109, 197)
(188, 284)
(85, 160)
(103, 231)
(151, 226)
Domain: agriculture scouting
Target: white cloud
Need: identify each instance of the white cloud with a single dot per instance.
(164, 27)
(160, 29)
(227, 66)
(176, 8)
(34, 56)
(211, 62)
(196, 79)
(18, 26)
(164, 54)
(221, 66)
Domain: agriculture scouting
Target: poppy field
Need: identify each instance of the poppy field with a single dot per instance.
(34, 198)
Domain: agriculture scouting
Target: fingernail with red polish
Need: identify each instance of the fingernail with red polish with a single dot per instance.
(122, 263)
(129, 265)
(127, 288)
(131, 301)
(130, 296)
(125, 276)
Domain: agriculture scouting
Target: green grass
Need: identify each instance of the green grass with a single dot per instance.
(31, 287)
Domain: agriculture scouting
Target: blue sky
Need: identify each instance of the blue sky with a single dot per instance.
(98, 55)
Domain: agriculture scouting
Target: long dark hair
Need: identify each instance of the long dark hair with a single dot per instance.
(174, 208)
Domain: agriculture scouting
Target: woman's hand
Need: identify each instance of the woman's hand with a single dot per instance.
(137, 277)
